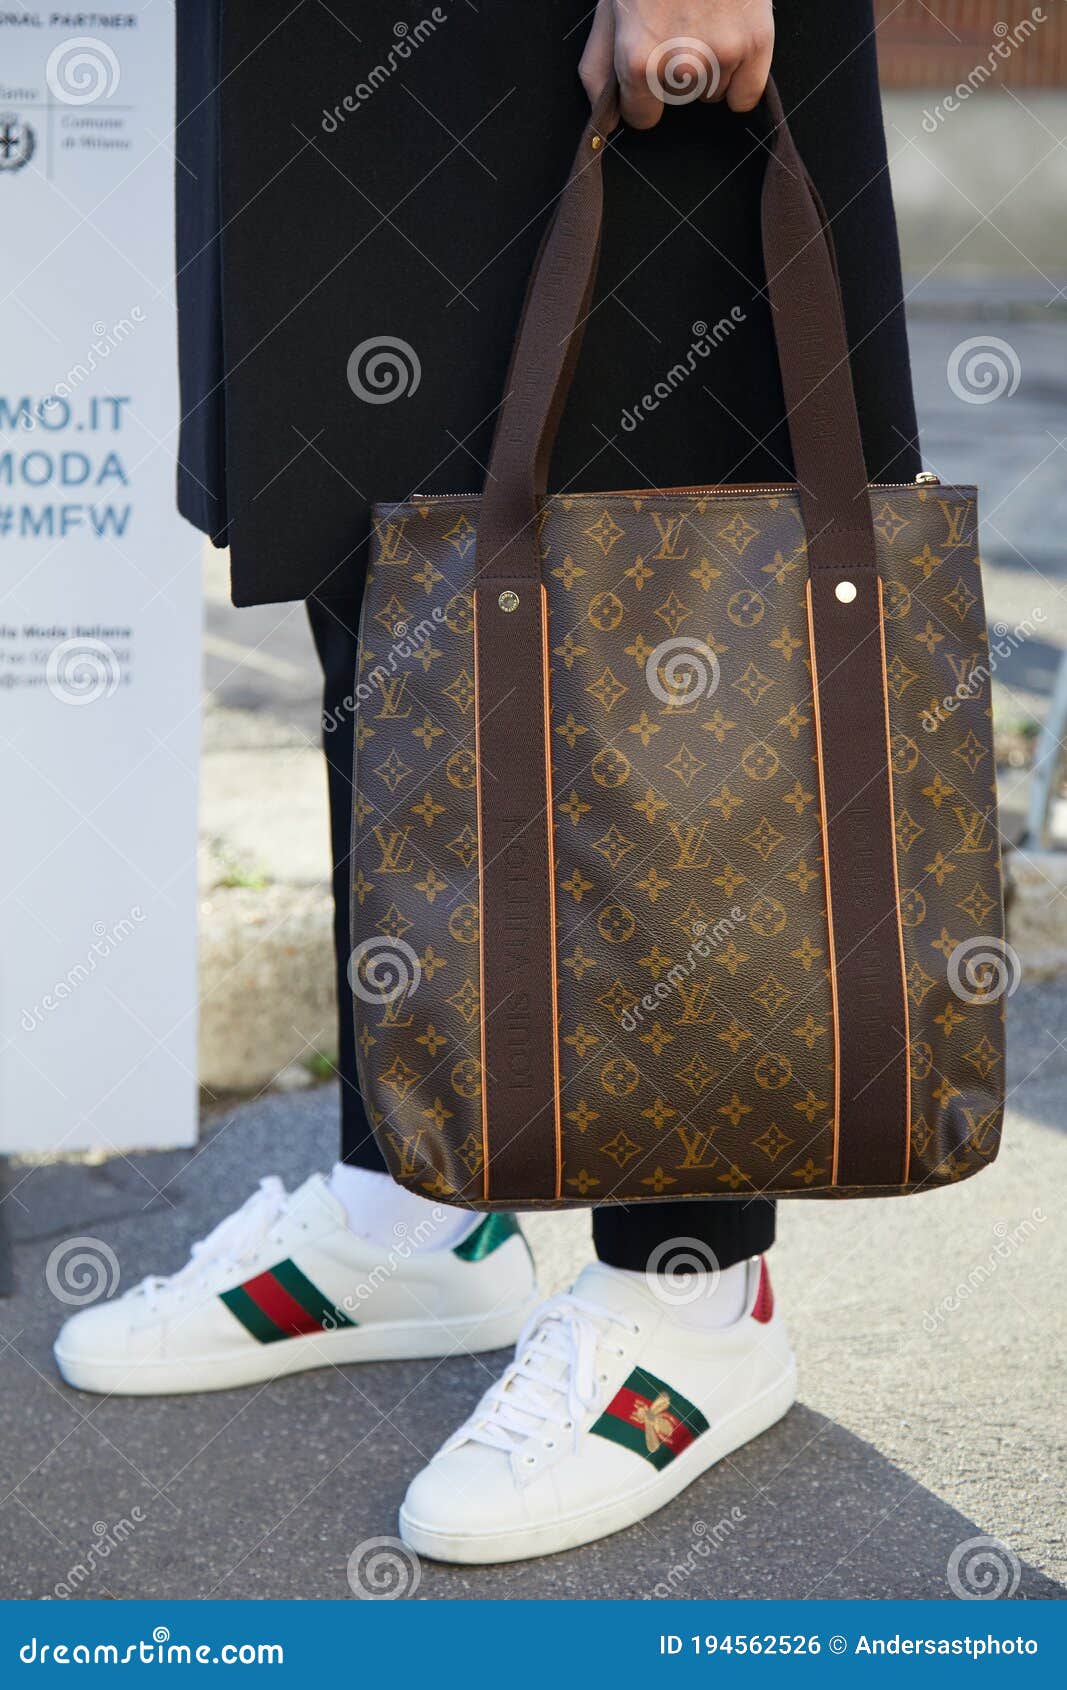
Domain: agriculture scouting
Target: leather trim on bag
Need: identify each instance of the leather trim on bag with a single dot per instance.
(832, 970)
(517, 951)
(872, 1060)
(896, 891)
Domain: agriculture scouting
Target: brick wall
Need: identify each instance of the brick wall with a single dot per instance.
(939, 43)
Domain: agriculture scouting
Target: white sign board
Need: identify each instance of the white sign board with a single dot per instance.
(99, 595)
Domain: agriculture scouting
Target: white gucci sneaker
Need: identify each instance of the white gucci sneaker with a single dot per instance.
(610, 1408)
(284, 1284)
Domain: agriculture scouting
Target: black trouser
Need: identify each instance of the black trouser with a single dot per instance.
(624, 1235)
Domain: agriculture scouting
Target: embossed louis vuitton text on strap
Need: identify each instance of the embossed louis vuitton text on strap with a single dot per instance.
(804, 1054)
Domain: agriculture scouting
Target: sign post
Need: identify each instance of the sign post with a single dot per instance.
(100, 606)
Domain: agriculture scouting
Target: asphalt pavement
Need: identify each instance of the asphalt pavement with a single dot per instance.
(930, 1337)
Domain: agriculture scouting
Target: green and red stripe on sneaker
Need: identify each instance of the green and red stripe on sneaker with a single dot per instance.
(651, 1418)
(488, 1236)
(283, 1303)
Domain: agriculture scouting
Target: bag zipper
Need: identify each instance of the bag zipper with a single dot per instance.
(723, 489)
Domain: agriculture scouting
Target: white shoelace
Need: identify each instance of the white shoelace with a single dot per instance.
(553, 1380)
(227, 1245)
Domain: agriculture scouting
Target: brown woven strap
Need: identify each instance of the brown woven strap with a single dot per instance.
(521, 1108)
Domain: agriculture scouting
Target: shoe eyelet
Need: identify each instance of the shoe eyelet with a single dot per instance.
(530, 1460)
(603, 1378)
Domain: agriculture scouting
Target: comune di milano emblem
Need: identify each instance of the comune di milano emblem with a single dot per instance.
(18, 141)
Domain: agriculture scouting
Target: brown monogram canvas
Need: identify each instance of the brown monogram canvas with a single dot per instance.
(696, 1022)
(675, 866)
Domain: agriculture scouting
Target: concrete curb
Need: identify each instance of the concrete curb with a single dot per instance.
(1037, 911)
(267, 999)
(973, 186)
(267, 985)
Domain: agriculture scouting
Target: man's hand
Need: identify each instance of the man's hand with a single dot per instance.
(667, 52)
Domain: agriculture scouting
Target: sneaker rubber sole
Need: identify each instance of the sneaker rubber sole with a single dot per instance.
(377, 1341)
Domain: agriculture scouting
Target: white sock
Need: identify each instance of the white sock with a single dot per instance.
(379, 1209)
(705, 1302)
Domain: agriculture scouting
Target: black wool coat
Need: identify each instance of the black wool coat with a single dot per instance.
(359, 203)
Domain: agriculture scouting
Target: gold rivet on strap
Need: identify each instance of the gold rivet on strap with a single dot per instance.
(508, 600)
(597, 142)
(845, 591)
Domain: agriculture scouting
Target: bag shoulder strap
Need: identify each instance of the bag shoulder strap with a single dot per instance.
(810, 334)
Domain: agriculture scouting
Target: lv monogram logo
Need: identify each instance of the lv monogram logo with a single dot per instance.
(694, 996)
(689, 839)
(390, 540)
(669, 529)
(406, 1153)
(697, 1147)
(392, 689)
(955, 516)
(974, 824)
(963, 665)
(391, 844)
(391, 1012)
